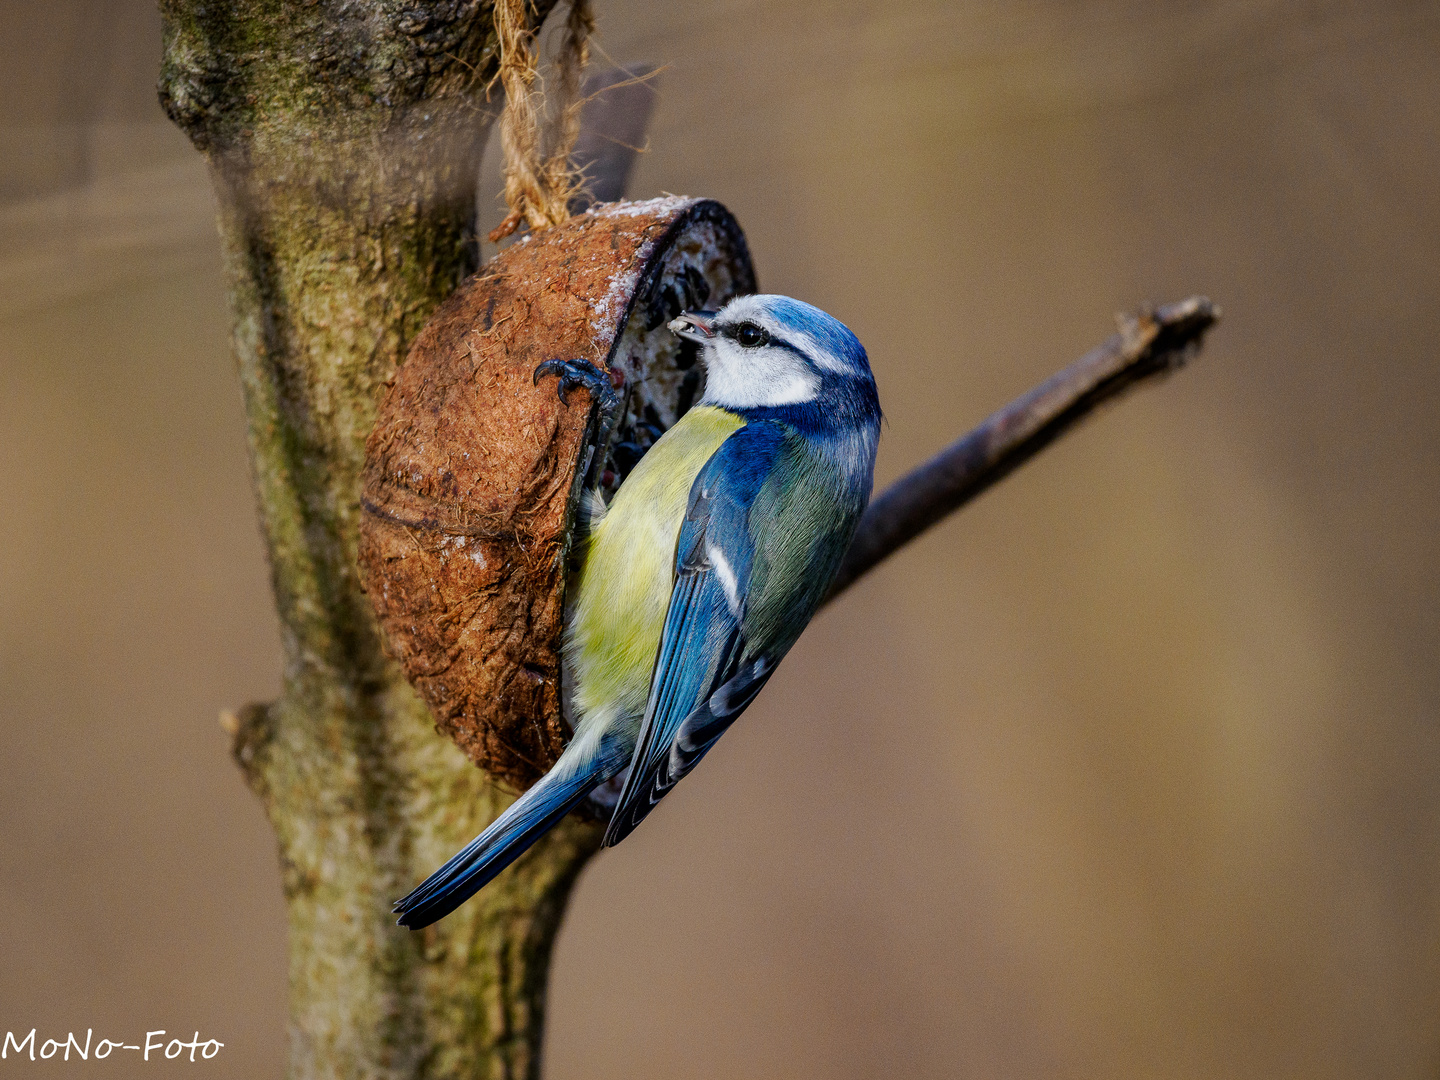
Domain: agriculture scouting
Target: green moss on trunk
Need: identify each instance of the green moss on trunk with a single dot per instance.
(343, 141)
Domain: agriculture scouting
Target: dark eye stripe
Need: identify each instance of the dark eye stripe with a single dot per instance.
(773, 342)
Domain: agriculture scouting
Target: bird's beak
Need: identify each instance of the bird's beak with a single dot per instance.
(696, 326)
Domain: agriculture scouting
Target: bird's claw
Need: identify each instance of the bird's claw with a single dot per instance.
(582, 373)
(603, 388)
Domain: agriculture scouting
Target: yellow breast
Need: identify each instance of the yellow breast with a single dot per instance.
(623, 587)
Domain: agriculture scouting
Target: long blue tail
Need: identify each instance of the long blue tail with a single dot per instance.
(507, 838)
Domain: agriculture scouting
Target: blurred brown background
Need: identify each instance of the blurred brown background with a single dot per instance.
(1132, 769)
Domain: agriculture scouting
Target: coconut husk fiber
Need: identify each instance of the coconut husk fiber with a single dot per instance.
(473, 473)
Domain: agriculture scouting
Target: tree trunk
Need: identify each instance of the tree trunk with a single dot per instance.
(343, 143)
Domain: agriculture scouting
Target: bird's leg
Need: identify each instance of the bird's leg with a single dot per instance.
(603, 386)
(604, 392)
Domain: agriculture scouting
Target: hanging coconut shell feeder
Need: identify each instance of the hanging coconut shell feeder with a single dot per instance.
(473, 474)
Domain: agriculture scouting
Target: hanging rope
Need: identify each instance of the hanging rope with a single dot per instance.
(539, 184)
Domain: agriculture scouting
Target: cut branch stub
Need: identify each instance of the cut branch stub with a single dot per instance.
(473, 474)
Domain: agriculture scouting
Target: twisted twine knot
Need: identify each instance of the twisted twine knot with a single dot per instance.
(539, 179)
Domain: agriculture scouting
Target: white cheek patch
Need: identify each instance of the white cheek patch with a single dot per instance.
(739, 378)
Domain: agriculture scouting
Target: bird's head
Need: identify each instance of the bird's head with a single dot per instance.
(767, 351)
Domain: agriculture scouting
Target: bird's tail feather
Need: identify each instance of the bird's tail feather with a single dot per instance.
(507, 838)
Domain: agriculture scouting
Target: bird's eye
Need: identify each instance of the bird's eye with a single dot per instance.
(750, 335)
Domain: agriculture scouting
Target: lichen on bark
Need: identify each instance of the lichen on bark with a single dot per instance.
(343, 140)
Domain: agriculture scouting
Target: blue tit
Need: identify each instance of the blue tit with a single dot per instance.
(712, 557)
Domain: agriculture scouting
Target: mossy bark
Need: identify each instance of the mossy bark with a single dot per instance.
(343, 140)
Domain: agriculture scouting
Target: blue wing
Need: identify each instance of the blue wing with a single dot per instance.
(706, 673)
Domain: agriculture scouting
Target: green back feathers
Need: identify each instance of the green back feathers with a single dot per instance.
(801, 525)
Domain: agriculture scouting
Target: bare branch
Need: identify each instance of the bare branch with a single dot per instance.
(1150, 343)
